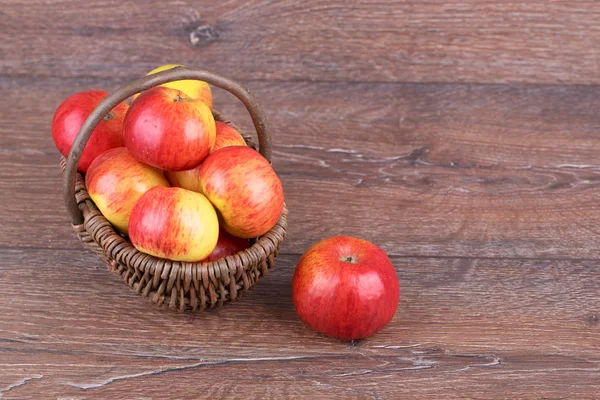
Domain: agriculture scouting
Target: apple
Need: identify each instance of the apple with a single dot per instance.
(174, 223)
(345, 288)
(115, 181)
(168, 129)
(189, 179)
(227, 245)
(193, 88)
(227, 136)
(245, 190)
(69, 118)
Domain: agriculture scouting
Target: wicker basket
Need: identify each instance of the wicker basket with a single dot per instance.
(172, 284)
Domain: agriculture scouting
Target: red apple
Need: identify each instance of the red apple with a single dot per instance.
(227, 245)
(227, 136)
(244, 189)
(345, 288)
(168, 129)
(189, 179)
(174, 223)
(69, 118)
(115, 181)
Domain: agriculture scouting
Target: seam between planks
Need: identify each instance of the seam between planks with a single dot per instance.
(397, 256)
(127, 79)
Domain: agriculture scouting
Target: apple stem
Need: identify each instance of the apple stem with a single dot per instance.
(108, 117)
(349, 259)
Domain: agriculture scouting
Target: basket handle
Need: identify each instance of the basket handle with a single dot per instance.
(150, 81)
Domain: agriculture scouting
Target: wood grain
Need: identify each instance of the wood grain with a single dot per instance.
(454, 170)
(461, 137)
(536, 41)
(464, 328)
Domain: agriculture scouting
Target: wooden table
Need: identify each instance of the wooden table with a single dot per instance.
(461, 137)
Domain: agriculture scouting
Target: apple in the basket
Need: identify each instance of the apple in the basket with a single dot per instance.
(244, 189)
(70, 116)
(116, 180)
(226, 136)
(169, 130)
(193, 88)
(227, 245)
(345, 288)
(174, 223)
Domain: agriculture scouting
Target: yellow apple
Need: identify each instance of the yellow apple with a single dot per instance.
(174, 223)
(193, 88)
(116, 180)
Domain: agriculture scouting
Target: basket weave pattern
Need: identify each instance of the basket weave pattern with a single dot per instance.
(175, 284)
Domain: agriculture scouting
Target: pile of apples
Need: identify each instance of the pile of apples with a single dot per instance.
(181, 185)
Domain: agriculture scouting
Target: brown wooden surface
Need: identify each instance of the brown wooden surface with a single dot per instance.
(461, 137)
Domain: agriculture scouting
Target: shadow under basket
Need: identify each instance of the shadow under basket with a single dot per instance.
(175, 284)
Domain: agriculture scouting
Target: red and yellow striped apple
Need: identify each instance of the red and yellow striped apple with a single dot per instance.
(193, 88)
(345, 288)
(115, 181)
(174, 223)
(169, 130)
(69, 118)
(227, 245)
(243, 187)
(226, 136)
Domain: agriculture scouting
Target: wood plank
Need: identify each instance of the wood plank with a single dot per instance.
(283, 378)
(454, 170)
(464, 328)
(536, 41)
